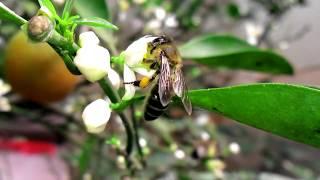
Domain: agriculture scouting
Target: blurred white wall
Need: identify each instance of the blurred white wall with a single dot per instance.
(305, 52)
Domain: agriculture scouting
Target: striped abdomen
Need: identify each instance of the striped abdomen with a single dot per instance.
(153, 108)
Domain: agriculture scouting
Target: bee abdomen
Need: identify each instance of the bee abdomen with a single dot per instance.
(154, 108)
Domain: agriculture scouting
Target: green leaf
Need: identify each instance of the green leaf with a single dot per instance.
(230, 52)
(94, 8)
(47, 4)
(67, 9)
(289, 111)
(96, 22)
(8, 15)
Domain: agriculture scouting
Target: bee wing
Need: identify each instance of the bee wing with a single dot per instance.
(165, 82)
(180, 88)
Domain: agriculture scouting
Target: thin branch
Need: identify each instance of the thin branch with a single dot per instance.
(114, 98)
(136, 135)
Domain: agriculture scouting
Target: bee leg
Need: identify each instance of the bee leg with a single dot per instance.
(135, 83)
(154, 65)
(144, 81)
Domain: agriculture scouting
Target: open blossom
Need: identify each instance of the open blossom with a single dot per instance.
(134, 56)
(93, 60)
(96, 115)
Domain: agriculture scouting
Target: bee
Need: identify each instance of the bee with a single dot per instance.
(164, 57)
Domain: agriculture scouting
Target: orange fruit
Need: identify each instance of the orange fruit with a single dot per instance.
(36, 71)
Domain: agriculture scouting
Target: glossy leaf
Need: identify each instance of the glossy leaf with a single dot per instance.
(94, 8)
(290, 111)
(96, 22)
(8, 15)
(49, 6)
(230, 52)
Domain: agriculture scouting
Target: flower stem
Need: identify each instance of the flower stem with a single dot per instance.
(8, 14)
(114, 98)
(63, 43)
(136, 135)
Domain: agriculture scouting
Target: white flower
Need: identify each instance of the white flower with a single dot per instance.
(88, 39)
(4, 102)
(253, 31)
(96, 115)
(134, 55)
(93, 60)
(4, 105)
(136, 51)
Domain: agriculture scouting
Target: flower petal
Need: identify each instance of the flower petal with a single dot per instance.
(128, 76)
(4, 104)
(93, 62)
(136, 51)
(4, 87)
(88, 39)
(114, 78)
(96, 115)
(144, 71)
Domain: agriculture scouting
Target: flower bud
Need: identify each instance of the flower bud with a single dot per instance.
(96, 115)
(40, 28)
(92, 60)
(88, 39)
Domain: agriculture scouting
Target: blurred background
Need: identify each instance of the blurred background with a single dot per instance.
(41, 132)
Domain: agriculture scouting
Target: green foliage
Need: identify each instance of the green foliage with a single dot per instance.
(114, 141)
(290, 111)
(96, 22)
(233, 10)
(7, 15)
(67, 9)
(230, 52)
(47, 4)
(94, 8)
(86, 153)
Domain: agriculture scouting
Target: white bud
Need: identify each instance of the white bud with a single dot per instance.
(171, 21)
(88, 38)
(160, 13)
(4, 104)
(136, 51)
(253, 32)
(4, 87)
(96, 115)
(234, 147)
(179, 154)
(128, 76)
(92, 60)
(142, 142)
